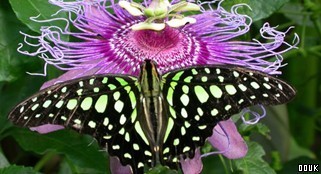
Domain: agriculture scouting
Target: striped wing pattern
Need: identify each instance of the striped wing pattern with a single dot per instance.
(199, 97)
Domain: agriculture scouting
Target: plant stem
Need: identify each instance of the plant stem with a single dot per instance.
(47, 157)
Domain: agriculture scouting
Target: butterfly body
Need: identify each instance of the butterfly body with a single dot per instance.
(152, 119)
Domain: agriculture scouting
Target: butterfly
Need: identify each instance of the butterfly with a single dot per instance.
(152, 119)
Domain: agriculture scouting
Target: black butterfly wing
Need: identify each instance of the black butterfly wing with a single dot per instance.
(104, 106)
(198, 98)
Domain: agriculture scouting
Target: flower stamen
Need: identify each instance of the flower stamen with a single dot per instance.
(132, 8)
(160, 12)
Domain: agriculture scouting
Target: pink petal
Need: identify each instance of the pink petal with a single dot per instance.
(194, 165)
(69, 75)
(46, 128)
(227, 139)
(117, 168)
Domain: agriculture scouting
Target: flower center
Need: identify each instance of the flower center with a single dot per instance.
(156, 40)
(170, 48)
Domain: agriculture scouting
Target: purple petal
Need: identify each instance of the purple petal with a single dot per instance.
(194, 165)
(117, 168)
(46, 128)
(227, 139)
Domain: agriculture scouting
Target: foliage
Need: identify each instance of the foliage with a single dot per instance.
(288, 136)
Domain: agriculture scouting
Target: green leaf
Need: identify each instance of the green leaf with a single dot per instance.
(3, 160)
(296, 151)
(31, 8)
(4, 125)
(291, 10)
(17, 170)
(12, 93)
(161, 170)
(253, 161)
(81, 150)
(260, 8)
(260, 128)
(11, 62)
(64, 167)
(215, 164)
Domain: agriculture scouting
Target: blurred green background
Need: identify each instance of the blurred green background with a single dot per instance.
(288, 136)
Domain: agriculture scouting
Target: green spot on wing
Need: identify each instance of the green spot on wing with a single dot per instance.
(127, 88)
(201, 94)
(96, 89)
(121, 81)
(177, 76)
(112, 86)
(216, 91)
(46, 104)
(72, 103)
(101, 104)
(86, 103)
(185, 89)
(140, 132)
(194, 72)
(169, 96)
(169, 128)
(132, 98)
(188, 79)
(172, 111)
(134, 115)
(104, 81)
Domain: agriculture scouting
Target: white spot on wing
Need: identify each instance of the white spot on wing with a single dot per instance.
(267, 86)
(280, 86)
(200, 111)
(242, 87)
(236, 74)
(106, 121)
(230, 89)
(228, 107)
(64, 89)
(214, 112)
(22, 109)
(122, 119)
(92, 124)
(115, 147)
(218, 71)
(119, 105)
(255, 85)
(184, 99)
(184, 113)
